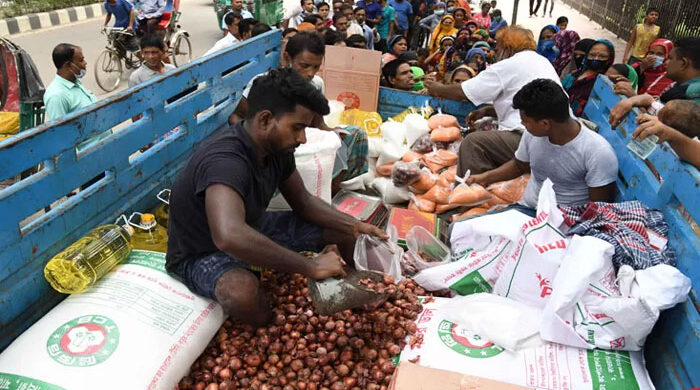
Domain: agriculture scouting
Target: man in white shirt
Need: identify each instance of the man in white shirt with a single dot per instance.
(518, 65)
(232, 20)
(580, 163)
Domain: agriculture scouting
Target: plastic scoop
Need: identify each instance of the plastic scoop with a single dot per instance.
(333, 295)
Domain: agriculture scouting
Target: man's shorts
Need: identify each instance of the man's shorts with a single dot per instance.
(283, 227)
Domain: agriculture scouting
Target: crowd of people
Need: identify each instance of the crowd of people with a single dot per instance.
(446, 50)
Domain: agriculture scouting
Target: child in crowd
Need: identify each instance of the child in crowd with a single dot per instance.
(562, 23)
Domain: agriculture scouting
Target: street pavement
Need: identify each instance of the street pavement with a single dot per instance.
(198, 18)
(577, 21)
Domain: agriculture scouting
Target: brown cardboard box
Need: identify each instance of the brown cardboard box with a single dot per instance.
(410, 376)
(352, 76)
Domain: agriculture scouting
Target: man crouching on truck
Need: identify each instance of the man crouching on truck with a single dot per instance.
(219, 230)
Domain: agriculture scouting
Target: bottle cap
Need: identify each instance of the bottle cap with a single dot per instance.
(148, 220)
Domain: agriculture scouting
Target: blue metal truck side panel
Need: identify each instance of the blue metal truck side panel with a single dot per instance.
(673, 349)
(130, 183)
(392, 102)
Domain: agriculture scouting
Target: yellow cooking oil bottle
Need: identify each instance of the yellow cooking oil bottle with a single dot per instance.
(163, 211)
(82, 264)
(148, 235)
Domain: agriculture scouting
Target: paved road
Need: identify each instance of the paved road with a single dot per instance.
(197, 18)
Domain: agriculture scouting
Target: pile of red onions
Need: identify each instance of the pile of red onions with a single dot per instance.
(301, 350)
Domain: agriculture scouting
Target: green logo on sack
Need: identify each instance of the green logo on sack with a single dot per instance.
(465, 342)
(84, 341)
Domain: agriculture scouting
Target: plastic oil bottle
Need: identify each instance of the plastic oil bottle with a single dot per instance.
(149, 235)
(163, 211)
(79, 266)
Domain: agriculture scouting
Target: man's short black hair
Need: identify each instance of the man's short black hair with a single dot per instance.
(280, 90)
(323, 4)
(344, 7)
(288, 31)
(259, 28)
(62, 54)
(543, 99)
(303, 1)
(359, 9)
(409, 55)
(337, 17)
(305, 41)
(231, 17)
(689, 47)
(497, 12)
(152, 40)
(331, 37)
(562, 19)
(246, 25)
(391, 69)
(313, 19)
(355, 38)
(653, 9)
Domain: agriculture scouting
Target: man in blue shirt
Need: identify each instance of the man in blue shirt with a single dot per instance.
(150, 12)
(373, 10)
(123, 13)
(404, 12)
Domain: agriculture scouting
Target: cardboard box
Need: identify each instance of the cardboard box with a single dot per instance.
(352, 76)
(410, 376)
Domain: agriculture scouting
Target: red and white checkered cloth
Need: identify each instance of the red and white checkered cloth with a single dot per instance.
(624, 225)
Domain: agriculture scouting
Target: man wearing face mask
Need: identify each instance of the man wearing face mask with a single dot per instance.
(66, 93)
(431, 21)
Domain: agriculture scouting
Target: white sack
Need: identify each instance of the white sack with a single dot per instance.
(509, 324)
(449, 346)
(137, 328)
(390, 193)
(314, 161)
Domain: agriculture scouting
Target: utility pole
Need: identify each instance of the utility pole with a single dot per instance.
(515, 12)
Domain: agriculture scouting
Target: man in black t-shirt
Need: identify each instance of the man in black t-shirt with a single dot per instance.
(219, 229)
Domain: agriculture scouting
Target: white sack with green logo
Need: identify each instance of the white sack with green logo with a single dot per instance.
(137, 328)
(551, 366)
(509, 254)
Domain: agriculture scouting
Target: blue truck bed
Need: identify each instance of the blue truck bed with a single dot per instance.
(213, 86)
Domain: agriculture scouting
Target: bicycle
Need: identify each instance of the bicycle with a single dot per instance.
(121, 46)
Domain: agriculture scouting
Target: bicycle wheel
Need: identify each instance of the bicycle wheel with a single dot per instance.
(181, 52)
(108, 70)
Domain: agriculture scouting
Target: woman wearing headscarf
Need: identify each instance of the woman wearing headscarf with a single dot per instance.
(418, 78)
(454, 53)
(545, 45)
(460, 74)
(652, 69)
(490, 55)
(579, 84)
(445, 44)
(397, 45)
(483, 17)
(472, 26)
(476, 59)
(576, 62)
(497, 22)
(566, 41)
(444, 29)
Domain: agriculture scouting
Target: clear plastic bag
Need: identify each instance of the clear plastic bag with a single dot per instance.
(431, 251)
(423, 144)
(405, 173)
(374, 254)
(486, 123)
